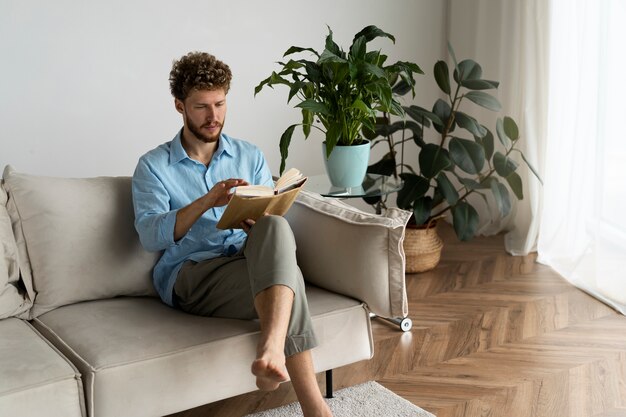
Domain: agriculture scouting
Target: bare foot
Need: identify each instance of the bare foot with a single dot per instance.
(269, 371)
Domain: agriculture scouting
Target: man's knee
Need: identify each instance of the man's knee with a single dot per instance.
(272, 222)
(274, 228)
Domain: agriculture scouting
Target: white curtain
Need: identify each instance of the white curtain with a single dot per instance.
(561, 66)
(508, 38)
(583, 226)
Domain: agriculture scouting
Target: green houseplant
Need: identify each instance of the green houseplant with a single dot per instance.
(341, 92)
(462, 158)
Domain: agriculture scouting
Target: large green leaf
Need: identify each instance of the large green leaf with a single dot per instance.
(504, 165)
(358, 48)
(290, 66)
(480, 84)
(467, 70)
(484, 100)
(501, 195)
(375, 70)
(446, 188)
(414, 187)
(375, 57)
(361, 106)
(510, 128)
(433, 159)
(417, 131)
(330, 43)
(389, 129)
(515, 182)
(502, 136)
(386, 165)
(442, 76)
(467, 155)
(313, 72)
(285, 140)
(263, 83)
(296, 87)
(465, 220)
(422, 208)
(372, 32)
(471, 183)
(469, 123)
(409, 66)
(401, 88)
(295, 49)
(314, 107)
(329, 56)
(422, 116)
(396, 108)
(487, 143)
(442, 109)
(333, 136)
(307, 122)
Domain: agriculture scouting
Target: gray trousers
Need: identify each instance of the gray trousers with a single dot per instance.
(226, 286)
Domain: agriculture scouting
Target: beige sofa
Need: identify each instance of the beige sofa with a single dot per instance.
(82, 332)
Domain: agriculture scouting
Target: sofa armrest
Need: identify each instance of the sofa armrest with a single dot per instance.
(351, 252)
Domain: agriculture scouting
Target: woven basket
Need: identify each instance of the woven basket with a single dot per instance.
(422, 247)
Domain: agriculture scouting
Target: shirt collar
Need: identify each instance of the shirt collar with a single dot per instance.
(178, 153)
(225, 146)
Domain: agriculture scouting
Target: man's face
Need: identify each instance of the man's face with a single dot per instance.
(204, 113)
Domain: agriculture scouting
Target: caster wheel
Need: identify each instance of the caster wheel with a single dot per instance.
(406, 324)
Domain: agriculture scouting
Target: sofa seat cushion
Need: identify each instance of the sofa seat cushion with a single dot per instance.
(36, 379)
(140, 357)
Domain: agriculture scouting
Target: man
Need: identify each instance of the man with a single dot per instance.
(180, 190)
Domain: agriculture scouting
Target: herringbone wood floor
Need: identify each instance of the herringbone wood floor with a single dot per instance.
(493, 335)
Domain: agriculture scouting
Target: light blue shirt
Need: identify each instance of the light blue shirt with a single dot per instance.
(166, 180)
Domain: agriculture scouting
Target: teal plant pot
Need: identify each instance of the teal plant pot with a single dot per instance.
(347, 165)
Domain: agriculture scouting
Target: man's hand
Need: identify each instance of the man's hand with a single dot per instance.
(220, 194)
(247, 224)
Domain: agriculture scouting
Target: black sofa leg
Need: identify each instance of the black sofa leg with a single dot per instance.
(329, 383)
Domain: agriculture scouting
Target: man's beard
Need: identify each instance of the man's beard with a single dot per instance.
(195, 129)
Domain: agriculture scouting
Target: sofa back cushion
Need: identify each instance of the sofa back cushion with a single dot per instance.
(351, 252)
(15, 300)
(79, 238)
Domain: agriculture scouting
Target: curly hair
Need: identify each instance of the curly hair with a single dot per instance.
(198, 71)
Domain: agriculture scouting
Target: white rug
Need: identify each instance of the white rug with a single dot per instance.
(366, 400)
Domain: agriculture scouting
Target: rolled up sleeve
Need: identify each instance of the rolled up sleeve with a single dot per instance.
(154, 220)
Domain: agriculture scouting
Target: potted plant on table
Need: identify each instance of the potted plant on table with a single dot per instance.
(462, 160)
(340, 93)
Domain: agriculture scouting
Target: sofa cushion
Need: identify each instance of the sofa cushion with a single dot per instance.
(79, 238)
(157, 360)
(36, 379)
(351, 252)
(14, 299)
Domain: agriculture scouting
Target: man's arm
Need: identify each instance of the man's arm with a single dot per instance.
(217, 196)
(160, 227)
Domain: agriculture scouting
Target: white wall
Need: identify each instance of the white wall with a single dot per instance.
(84, 84)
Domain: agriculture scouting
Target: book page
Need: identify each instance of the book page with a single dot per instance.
(253, 191)
(289, 178)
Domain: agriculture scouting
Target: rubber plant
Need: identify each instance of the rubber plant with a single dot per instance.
(341, 92)
(461, 159)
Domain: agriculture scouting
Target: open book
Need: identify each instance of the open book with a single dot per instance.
(253, 201)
